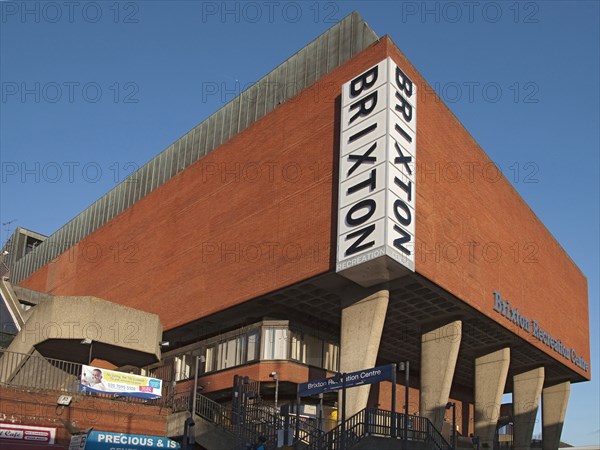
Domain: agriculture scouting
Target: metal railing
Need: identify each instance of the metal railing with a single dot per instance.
(377, 422)
(31, 371)
(246, 426)
(21, 370)
(262, 420)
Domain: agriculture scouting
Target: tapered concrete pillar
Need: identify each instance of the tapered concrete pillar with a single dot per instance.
(527, 389)
(491, 371)
(362, 325)
(439, 351)
(554, 408)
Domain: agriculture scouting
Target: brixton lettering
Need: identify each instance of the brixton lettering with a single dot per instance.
(377, 181)
(504, 308)
(362, 82)
(366, 105)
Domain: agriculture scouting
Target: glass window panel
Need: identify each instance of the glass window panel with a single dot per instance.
(221, 355)
(240, 351)
(331, 356)
(230, 353)
(252, 345)
(182, 368)
(275, 343)
(297, 348)
(314, 351)
(210, 363)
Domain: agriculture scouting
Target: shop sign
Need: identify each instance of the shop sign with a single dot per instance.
(104, 440)
(512, 313)
(27, 433)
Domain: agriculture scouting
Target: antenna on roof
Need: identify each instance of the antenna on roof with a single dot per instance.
(7, 228)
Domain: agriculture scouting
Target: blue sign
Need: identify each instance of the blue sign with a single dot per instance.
(104, 440)
(360, 378)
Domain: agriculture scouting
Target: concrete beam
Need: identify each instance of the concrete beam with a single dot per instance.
(362, 325)
(554, 408)
(527, 389)
(439, 352)
(12, 304)
(118, 334)
(491, 371)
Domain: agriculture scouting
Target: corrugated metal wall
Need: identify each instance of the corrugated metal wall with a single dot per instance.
(328, 51)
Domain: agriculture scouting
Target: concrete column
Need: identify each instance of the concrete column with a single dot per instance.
(439, 351)
(527, 388)
(491, 371)
(361, 328)
(554, 408)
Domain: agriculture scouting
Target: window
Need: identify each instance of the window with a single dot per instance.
(314, 351)
(267, 342)
(210, 359)
(332, 355)
(298, 348)
(253, 346)
(233, 351)
(275, 343)
(183, 365)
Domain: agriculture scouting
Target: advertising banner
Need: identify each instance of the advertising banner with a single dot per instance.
(26, 434)
(94, 379)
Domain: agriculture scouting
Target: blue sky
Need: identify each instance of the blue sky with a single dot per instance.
(93, 90)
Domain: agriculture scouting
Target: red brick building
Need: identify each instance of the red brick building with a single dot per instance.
(233, 237)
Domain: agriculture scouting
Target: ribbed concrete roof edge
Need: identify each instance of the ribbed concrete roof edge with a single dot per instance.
(328, 51)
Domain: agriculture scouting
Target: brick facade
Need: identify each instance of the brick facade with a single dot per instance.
(39, 408)
(259, 213)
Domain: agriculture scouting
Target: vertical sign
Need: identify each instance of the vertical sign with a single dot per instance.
(376, 215)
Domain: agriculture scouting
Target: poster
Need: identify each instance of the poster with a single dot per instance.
(104, 381)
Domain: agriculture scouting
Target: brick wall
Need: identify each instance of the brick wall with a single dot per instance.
(37, 407)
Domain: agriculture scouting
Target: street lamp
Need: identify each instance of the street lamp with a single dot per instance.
(88, 341)
(453, 406)
(275, 376)
(199, 359)
(404, 366)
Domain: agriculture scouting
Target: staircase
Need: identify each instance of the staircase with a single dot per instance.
(381, 429)
(253, 421)
(370, 428)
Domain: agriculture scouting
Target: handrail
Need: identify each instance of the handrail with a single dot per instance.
(32, 371)
(377, 422)
(246, 426)
(22, 370)
(262, 420)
